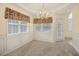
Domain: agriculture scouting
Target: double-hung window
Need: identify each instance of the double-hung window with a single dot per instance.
(43, 27)
(39, 27)
(46, 27)
(23, 27)
(15, 26)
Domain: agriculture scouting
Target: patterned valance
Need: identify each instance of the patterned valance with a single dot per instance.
(12, 14)
(43, 20)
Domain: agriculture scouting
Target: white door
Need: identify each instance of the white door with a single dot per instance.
(59, 30)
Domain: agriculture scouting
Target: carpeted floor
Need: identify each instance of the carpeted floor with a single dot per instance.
(40, 48)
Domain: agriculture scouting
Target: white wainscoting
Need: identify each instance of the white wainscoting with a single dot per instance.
(15, 41)
(75, 41)
(44, 36)
(2, 44)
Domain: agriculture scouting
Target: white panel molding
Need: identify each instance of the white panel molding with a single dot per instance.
(2, 44)
(16, 41)
(75, 41)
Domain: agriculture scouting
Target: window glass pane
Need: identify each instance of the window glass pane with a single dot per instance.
(15, 28)
(38, 27)
(23, 28)
(43, 27)
(12, 28)
(13, 21)
(23, 22)
(46, 27)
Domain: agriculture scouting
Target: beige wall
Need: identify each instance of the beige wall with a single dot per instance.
(2, 20)
(75, 33)
(76, 19)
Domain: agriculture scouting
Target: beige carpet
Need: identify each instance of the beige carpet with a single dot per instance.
(40, 48)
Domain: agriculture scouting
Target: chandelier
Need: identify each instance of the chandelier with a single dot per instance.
(43, 13)
(43, 16)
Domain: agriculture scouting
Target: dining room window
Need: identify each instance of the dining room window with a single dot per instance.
(23, 27)
(15, 26)
(43, 27)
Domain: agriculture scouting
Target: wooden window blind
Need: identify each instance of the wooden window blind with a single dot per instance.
(43, 20)
(15, 15)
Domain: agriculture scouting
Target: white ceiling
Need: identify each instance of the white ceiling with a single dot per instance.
(35, 8)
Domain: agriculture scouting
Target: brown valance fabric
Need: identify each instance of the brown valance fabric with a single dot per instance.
(14, 15)
(43, 20)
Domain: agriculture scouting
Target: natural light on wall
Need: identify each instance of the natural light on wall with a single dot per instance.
(70, 22)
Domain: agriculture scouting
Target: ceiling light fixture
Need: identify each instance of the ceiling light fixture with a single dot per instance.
(43, 16)
(43, 13)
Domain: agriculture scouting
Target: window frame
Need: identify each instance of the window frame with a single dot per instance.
(19, 24)
(42, 28)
